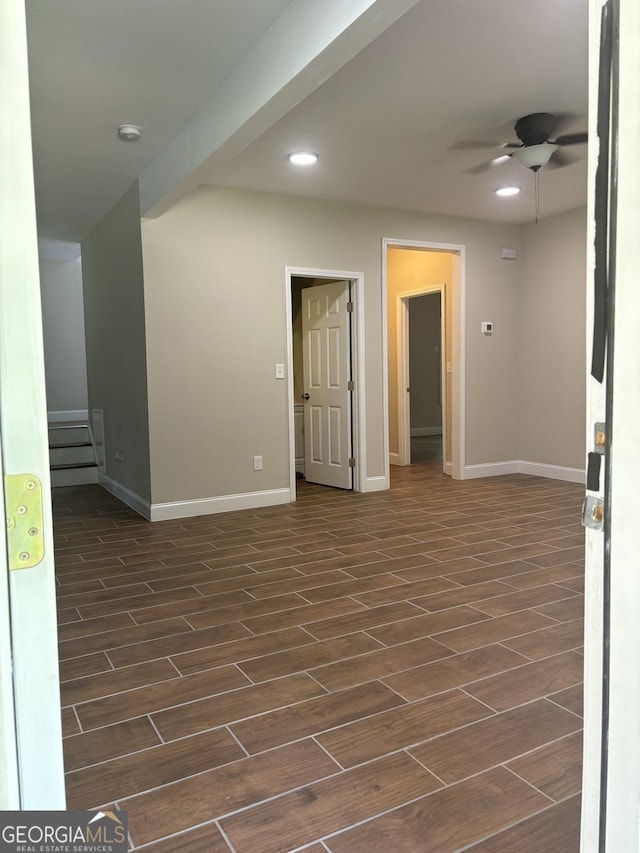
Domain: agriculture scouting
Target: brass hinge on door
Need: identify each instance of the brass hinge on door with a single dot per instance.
(25, 533)
(352, 462)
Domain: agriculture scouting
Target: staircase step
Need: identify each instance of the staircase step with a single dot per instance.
(73, 435)
(72, 444)
(58, 444)
(67, 424)
(68, 466)
(68, 432)
(74, 476)
(71, 455)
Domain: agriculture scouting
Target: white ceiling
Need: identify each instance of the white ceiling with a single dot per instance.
(383, 124)
(96, 64)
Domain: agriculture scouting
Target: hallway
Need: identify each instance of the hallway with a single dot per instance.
(398, 671)
(426, 450)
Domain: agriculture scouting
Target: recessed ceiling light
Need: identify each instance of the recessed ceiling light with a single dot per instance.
(303, 158)
(503, 191)
(129, 132)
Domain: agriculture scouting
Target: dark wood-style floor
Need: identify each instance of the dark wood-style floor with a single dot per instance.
(398, 671)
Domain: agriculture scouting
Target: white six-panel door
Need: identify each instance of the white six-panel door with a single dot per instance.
(327, 372)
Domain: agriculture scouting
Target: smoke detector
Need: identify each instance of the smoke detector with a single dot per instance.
(129, 132)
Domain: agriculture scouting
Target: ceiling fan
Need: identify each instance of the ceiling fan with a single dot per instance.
(536, 147)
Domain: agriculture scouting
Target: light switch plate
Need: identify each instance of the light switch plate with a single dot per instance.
(279, 371)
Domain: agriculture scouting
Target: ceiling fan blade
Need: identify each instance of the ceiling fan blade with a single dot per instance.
(564, 121)
(571, 138)
(560, 159)
(484, 167)
(479, 169)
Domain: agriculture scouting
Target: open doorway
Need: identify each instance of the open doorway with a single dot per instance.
(325, 381)
(424, 419)
(411, 270)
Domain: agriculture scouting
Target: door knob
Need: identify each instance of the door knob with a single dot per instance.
(305, 396)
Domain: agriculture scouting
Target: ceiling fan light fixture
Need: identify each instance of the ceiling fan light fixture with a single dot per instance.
(303, 158)
(535, 156)
(507, 191)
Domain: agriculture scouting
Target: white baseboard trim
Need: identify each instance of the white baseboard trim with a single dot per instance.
(491, 469)
(434, 430)
(447, 469)
(376, 484)
(521, 466)
(394, 458)
(553, 472)
(140, 505)
(223, 503)
(64, 415)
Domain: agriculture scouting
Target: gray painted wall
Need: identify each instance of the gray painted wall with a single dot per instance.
(114, 313)
(214, 292)
(63, 334)
(552, 341)
(213, 314)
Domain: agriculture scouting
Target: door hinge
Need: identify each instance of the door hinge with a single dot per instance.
(352, 462)
(25, 524)
(351, 385)
(599, 436)
(350, 306)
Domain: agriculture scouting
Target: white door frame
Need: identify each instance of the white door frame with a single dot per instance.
(357, 349)
(458, 309)
(404, 378)
(36, 724)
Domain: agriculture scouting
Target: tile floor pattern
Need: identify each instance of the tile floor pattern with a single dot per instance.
(398, 671)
